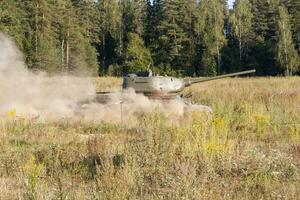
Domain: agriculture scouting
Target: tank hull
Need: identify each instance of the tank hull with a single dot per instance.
(110, 98)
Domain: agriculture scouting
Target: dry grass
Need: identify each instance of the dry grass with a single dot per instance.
(249, 149)
(107, 84)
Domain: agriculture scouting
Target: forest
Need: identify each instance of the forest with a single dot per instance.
(175, 37)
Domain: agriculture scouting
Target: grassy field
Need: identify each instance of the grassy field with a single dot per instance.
(248, 149)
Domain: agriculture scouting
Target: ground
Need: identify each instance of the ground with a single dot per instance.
(249, 148)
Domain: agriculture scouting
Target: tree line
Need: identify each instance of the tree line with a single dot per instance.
(176, 37)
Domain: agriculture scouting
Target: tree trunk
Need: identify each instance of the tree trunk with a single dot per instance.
(240, 40)
(36, 32)
(285, 50)
(68, 44)
(103, 50)
(298, 37)
(62, 53)
(218, 45)
(121, 40)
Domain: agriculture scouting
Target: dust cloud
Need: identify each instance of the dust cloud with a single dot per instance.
(48, 97)
(127, 106)
(37, 94)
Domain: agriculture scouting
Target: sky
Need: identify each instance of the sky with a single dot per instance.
(230, 3)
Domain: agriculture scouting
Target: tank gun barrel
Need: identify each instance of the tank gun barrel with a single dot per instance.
(199, 80)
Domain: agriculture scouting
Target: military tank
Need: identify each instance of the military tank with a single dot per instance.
(166, 86)
(162, 88)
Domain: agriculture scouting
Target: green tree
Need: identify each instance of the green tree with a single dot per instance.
(188, 36)
(138, 57)
(170, 34)
(110, 27)
(187, 20)
(286, 53)
(85, 32)
(11, 20)
(133, 21)
(242, 20)
(138, 11)
(43, 53)
(264, 25)
(150, 22)
(260, 23)
(172, 37)
(294, 10)
(211, 24)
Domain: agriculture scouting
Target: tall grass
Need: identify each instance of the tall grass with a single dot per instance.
(248, 149)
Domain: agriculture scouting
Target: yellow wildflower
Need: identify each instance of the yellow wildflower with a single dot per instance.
(12, 113)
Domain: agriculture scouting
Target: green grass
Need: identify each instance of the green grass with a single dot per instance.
(248, 149)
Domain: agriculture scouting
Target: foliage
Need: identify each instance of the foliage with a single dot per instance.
(33, 171)
(294, 11)
(213, 37)
(242, 20)
(138, 57)
(286, 53)
(187, 37)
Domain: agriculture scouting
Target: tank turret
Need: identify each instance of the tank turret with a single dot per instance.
(165, 85)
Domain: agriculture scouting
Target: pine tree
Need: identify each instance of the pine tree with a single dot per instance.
(54, 35)
(294, 10)
(85, 33)
(187, 21)
(173, 45)
(138, 57)
(11, 20)
(212, 34)
(264, 26)
(242, 20)
(260, 23)
(286, 54)
(139, 8)
(41, 44)
(188, 36)
(149, 23)
(170, 33)
(110, 26)
(133, 20)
